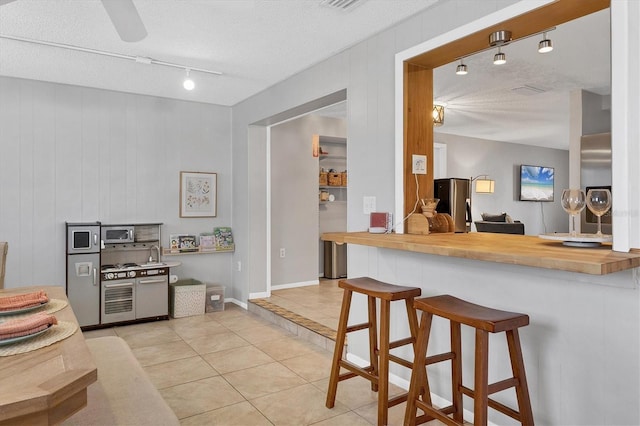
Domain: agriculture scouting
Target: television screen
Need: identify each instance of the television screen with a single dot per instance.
(536, 183)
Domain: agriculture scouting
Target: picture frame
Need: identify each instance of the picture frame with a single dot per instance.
(198, 194)
(536, 183)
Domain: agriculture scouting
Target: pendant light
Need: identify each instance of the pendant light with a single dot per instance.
(545, 44)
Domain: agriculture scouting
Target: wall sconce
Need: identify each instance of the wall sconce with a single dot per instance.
(484, 185)
(438, 115)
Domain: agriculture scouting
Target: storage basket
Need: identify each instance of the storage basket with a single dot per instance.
(186, 298)
(323, 178)
(335, 179)
(214, 301)
(343, 178)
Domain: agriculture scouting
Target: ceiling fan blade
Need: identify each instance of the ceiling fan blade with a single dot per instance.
(125, 19)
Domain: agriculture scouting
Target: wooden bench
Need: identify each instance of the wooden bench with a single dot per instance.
(123, 394)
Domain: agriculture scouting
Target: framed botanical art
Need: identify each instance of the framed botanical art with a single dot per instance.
(198, 194)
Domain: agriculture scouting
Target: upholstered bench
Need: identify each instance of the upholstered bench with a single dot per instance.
(123, 394)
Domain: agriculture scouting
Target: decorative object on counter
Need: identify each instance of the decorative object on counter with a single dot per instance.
(198, 194)
(223, 238)
(429, 221)
(599, 203)
(380, 221)
(579, 240)
(573, 202)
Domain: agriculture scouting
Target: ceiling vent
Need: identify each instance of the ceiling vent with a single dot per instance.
(344, 5)
(528, 90)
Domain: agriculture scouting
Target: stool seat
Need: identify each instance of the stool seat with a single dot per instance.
(379, 289)
(476, 316)
(377, 372)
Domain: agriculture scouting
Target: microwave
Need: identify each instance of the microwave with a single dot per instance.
(117, 234)
(83, 238)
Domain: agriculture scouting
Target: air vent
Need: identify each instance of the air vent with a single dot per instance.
(528, 90)
(344, 5)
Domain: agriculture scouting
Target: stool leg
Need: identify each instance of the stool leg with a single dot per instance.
(481, 385)
(419, 382)
(337, 352)
(383, 377)
(373, 340)
(517, 366)
(456, 371)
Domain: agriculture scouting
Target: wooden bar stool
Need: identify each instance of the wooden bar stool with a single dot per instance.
(378, 371)
(484, 320)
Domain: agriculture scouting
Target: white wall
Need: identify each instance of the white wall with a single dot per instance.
(69, 153)
(470, 157)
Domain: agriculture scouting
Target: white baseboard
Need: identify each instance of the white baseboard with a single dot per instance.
(237, 302)
(260, 295)
(294, 285)
(404, 384)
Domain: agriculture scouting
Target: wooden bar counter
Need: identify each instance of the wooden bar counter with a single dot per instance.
(47, 385)
(522, 250)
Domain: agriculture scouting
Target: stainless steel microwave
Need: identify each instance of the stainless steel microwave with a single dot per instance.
(83, 238)
(117, 234)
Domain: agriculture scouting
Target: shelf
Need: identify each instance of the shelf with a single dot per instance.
(331, 187)
(333, 140)
(322, 203)
(167, 251)
(332, 157)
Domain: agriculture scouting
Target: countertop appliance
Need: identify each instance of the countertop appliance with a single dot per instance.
(83, 261)
(115, 234)
(455, 200)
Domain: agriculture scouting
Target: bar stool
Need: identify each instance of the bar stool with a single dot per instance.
(378, 371)
(484, 320)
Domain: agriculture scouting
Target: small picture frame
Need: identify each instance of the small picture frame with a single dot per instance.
(198, 194)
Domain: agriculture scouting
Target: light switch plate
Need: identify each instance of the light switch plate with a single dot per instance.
(368, 204)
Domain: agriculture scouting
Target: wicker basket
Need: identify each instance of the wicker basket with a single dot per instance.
(335, 179)
(323, 178)
(343, 178)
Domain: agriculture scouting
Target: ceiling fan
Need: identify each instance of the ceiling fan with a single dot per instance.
(124, 16)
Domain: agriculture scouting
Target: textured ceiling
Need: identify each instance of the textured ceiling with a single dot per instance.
(254, 43)
(483, 104)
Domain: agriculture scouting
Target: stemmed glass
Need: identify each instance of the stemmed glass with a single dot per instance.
(599, 202)
(573, 202)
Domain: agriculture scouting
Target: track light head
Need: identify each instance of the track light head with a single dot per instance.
(188, 84)
(545, 44)
(499, 58)
(461, 69)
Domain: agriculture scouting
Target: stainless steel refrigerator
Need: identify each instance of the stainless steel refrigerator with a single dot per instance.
(455, 200)
(83, 271)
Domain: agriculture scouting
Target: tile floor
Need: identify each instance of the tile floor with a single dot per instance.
(236, 368)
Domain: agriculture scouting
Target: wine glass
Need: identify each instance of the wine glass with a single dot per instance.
(599, 202)
(573, 202)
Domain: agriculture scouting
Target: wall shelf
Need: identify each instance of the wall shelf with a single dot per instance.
(167, 251)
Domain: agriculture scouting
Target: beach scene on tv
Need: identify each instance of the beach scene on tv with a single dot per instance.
(536, 183)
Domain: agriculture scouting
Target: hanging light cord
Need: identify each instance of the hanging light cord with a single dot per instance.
(139, 59)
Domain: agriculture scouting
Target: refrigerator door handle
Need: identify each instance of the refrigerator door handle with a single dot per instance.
(95, 239)
(95, 276)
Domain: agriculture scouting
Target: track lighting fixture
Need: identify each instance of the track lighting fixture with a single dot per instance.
(461, 69)
(499, 58)
(545, 45)
(502, 38)
(188, 84)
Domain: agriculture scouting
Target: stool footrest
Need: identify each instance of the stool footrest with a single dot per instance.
(434, 359)
(398, 399)
(440, 414)
(354, 369)
(495, 404)
(401, 361)
(401, 342)
(358, 327)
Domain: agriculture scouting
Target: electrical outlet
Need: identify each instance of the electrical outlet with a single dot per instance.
(283, 252)
(419, 164)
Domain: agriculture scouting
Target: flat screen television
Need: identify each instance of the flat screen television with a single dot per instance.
(536, 183)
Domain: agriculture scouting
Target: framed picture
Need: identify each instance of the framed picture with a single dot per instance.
(536, 183)
(198, 194)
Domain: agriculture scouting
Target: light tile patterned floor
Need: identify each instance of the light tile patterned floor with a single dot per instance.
(235, 368)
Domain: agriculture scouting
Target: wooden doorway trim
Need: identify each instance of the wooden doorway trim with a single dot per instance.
(418, 81)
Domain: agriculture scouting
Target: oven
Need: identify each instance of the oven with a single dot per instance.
(118, 295)
(152, 293)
